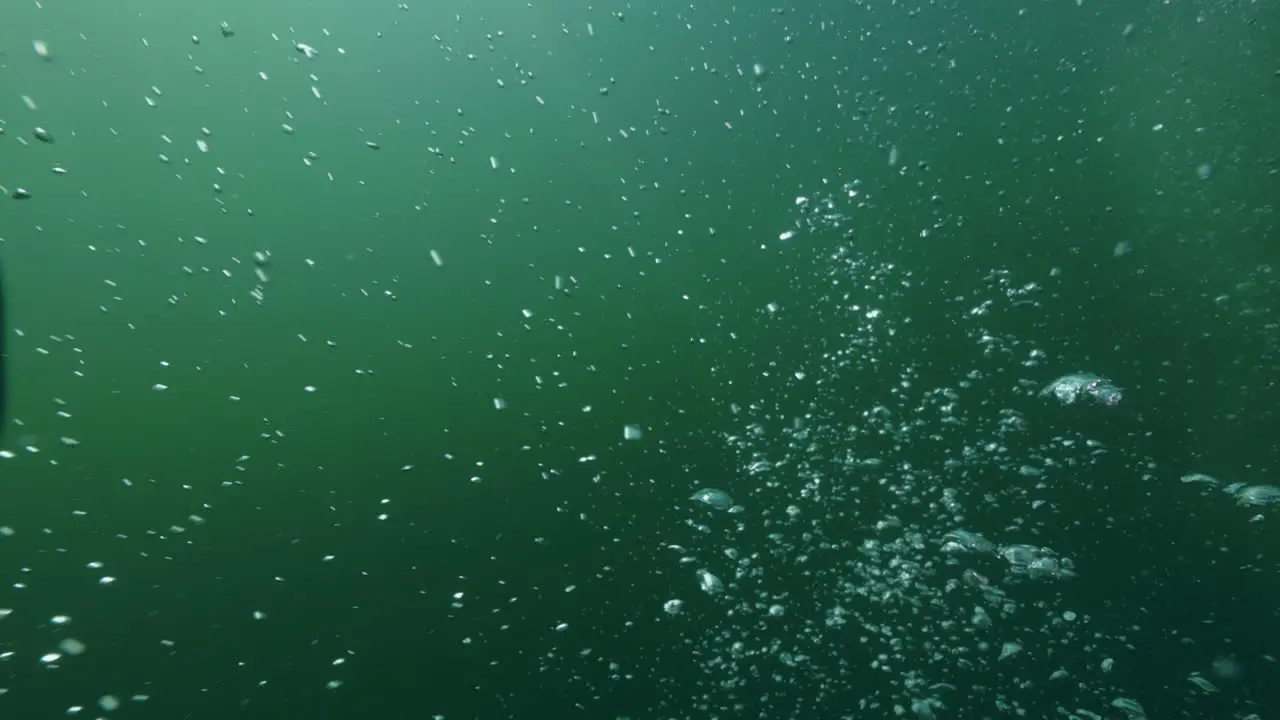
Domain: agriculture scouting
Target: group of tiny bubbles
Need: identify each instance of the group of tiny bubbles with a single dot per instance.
(261, 259)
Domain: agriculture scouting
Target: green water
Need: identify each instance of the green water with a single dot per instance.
(395, 461)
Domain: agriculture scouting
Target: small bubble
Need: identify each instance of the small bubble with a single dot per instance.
(71, 646)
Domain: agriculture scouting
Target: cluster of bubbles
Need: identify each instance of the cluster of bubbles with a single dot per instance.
(849, 575)
(1070, 388)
